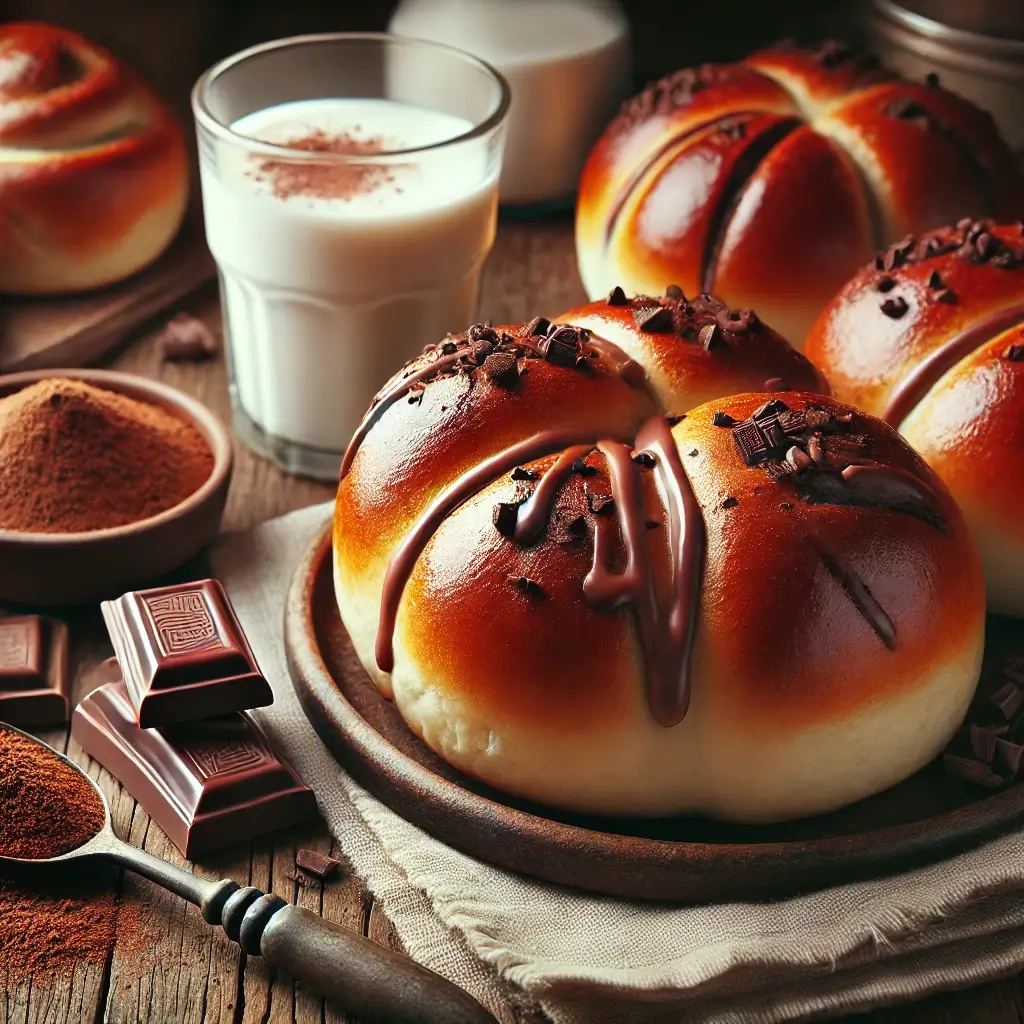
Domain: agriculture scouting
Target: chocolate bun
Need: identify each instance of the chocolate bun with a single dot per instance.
(761, 609)
(93, 170)
(770, 181)
(931, 338)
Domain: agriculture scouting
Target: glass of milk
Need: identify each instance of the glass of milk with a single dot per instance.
(350, 196)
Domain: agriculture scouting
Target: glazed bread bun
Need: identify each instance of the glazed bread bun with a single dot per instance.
(770, 181)
(931, 338)
(763, 609)
(93, 170)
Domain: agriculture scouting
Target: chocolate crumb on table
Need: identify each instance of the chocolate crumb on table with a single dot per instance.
(186, 339)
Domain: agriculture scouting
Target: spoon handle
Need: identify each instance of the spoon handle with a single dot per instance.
(378, 985)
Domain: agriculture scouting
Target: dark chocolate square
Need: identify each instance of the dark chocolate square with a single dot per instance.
(35, 681)
(183, 654)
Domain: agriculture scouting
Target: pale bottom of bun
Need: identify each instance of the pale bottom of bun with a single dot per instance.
(709, 764)
(51, 271)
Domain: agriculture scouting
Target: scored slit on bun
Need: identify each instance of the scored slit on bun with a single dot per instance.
(771, 180)
(930, 336)
(93, 168)
(585, 602)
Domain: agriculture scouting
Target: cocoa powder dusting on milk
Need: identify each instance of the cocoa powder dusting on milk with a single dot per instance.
(332, 179)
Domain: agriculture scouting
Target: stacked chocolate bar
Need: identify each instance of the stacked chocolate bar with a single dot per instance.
(169, 720)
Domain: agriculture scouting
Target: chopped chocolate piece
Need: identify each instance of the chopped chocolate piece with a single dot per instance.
(645, 459)
(934, 280)
(774, 384)
(931, 80)
(1007, 701)
(416, 396)
(183, 654)
(563, 345)
(1014, 352)
(186, 338)
(502, 369)
(673, 420)
(449, 348)
(972, 771)
(894, 308)
(693, 453)
(482, 332)
(946, 295)
(35, 683)
(730, 502)
(600, 503)
(1008, 757)
(205, 790)
(723, 419)
(786, 506)
(527, 586)
(578, 527)
(583, 468)
(673, 291)
(886, 283)
(314, 862)
(520, 473)
(712, 337)
(505, 516)
(617, 297)
(538, 326)
(653, 319)
(799, 459)
(982, 741)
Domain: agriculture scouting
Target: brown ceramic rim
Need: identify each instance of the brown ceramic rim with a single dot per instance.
(599, 860)
(151, 392)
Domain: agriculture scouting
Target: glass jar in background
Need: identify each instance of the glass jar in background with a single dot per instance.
(350, 193)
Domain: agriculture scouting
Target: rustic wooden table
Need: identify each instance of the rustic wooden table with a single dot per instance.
(191, 972)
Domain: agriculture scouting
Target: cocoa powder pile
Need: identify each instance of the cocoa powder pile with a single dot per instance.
(47, 807)
(74, 457)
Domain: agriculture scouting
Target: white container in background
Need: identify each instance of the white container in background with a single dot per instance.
(567, 64)
(349, 205)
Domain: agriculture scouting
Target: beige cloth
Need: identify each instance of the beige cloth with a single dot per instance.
(584, 958)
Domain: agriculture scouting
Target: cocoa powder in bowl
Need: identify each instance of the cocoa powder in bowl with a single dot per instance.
(74, 457)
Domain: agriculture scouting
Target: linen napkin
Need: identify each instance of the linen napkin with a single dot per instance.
(580, 958)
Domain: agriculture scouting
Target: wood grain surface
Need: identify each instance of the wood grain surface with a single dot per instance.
(190, 972)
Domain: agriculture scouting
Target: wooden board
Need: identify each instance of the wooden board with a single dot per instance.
(685, 859)
(53, 331)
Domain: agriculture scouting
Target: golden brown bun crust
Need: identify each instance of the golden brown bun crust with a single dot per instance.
(93, 169)
(930, 336)
(686, 367)
(759, 181)
(789, 646)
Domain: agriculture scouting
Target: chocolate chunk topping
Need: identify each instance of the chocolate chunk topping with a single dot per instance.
(673, 420)
(482, 332)
(786, 506)
(600, 503)
(894, 308)
(505, 516)
(502, 368)
(931, 80)
(935, 279)
(723, 419)
(886, 283)
(527, 586)
(673, 291)
(971, 240)
(653, 319)
(730, 502)
(563, 346)
(711, 337)
(617, 297)
(578, 527)
(665, 95)
(583, 468)
(645, 459)
(521, 473)
(1014, 352)
(538, 326)
(449, 348)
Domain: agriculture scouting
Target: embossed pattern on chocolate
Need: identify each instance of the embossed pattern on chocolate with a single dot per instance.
(34, 677)
(207, 785)
(183, 654)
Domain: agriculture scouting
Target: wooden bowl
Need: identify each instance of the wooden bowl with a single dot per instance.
(87, 567)
(685, 859)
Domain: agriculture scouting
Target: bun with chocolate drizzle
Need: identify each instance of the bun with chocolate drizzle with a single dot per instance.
(581, 600)
(930, 336)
